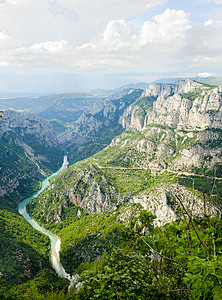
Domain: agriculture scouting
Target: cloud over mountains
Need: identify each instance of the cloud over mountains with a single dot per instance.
(100, 35)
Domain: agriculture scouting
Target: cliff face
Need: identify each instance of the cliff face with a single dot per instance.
(163, 202)
(180, 131)
(186, 105)
(90, 187)
(159, 149)
(97, 125)
(83, 185)
(155, 141)
(29, 152)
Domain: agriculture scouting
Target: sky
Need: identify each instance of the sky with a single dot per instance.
(49, 46)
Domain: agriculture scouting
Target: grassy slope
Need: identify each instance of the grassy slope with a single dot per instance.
(122, 160)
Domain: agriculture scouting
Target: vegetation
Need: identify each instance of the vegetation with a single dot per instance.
(181, 260)
(193, 95)
(24, 256)
(15, 160)
(87, 237)
(118, 253)
(170, 262)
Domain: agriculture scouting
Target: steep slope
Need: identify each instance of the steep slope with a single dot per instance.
(29, 151)
(185, 105)
(97, 125)
(179, 132)
(24, 251)
(158, 148)
(150, 166)
(111, 196)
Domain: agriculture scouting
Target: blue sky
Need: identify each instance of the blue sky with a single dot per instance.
(50, 46)
(199, 10)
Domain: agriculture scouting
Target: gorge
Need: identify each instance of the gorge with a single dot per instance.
(145, 169)
(55, 240)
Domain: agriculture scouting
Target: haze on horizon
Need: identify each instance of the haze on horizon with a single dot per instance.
(63, 45)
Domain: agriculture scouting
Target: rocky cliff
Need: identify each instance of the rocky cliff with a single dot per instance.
(29, 152)
(178, 128)
(97, 125)
(83, 185)
(185, 105)
(146, 153)
(162, 201)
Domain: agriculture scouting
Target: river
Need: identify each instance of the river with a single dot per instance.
(55, 240)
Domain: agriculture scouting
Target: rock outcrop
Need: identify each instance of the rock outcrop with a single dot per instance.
(186, 105)
(97, 125)
(162, 201)
(83, 185)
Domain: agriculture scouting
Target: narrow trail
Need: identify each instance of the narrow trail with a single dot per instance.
(168, 170)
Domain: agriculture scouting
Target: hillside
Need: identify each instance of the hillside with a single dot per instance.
(141, 216)
(29, 151)
(150, 164)
(97, 125)
(24, 258)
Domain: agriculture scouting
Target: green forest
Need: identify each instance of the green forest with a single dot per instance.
(181, 260)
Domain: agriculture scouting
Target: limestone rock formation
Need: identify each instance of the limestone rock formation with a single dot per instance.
(97, 125)
(186, 105)
(163, 202)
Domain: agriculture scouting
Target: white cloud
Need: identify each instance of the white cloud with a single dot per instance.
(170, 27)
(206, 74)
(208, 22)
(118, 30)
(218, 2)
(96, 36)
(213, 23)
(51, 47)
(35, 21)
(4, 64)
(7, 42)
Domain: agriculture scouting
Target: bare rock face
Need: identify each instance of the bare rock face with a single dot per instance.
(95, 121)
(183, 86)
(146, 146)
(186, 105)
(163, 202)
(133, 117)
(97, 201)
(82, 185)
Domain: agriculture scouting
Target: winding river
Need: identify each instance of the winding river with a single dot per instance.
(55, 240)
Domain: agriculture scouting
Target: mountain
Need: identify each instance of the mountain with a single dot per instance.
(29, 152)
(186, 105)
(217, 81)
(180, 131)
(211, 80)
(141, 216)
(37, 104)
(97, 125)
(162, 159)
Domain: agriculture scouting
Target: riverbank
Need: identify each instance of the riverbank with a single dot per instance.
(55, 240)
